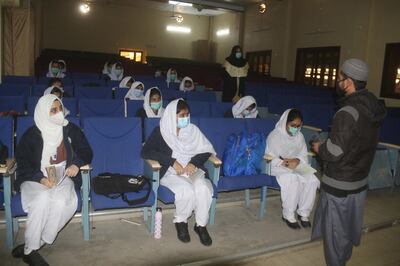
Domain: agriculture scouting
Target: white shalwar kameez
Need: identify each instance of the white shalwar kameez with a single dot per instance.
(49, 209)
(297, 191)
(189, 195)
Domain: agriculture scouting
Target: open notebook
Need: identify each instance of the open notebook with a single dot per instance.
(56, 172)
(199, 173)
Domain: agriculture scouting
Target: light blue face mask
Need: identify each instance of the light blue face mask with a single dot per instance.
(55, 70)
(172, 77)
(137, 93)
(293, 130)
(118, 72)
(238, 55)
(155, 105)
(183, 122)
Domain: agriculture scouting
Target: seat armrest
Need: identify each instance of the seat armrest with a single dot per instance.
(155, 165)
(389, 145)
(268, 157)
(215, 161)
(313, 128)
(8, 168)
(86, 168)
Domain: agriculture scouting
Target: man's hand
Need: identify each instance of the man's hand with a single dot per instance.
(178, 168)
(47, 182)
(72, 171)
(315, 146)
(190, 169)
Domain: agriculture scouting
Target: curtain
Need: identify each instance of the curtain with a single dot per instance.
(18, 41)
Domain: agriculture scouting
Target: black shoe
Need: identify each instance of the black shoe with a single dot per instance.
(205, 238)
(183, 232)
(292, 225)
(34, 259)
(18, 251)
(305, 224)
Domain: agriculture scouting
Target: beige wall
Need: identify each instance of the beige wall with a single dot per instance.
(225, 43)
(360, 27)
(108, 28)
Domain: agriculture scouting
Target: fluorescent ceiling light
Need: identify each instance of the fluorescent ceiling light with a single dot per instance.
(179, 29)
(223, 32)
(179, 3)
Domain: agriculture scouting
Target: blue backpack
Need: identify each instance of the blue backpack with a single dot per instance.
(243, 154)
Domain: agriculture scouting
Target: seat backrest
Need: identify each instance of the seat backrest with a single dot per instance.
(78, 75)
(17, 79)
(260, 125)
(119, 93)
(161, 84)
(89, 82)
(93, 92)
(45, 80)
(217, 130)
(317, 115)
(38, 90)
(279, 102)
(16, 103)
(25, 122)
(101, 107)
(259, 93)
(170, 95)
(15, 90)
(390, 130)
(116, 144)
(6, 133)
(172, 86)
(199, 109)
(70, 103)
(218, 109)
(133, 106)
(205, 96)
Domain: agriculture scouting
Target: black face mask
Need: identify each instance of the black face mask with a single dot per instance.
(339, 92)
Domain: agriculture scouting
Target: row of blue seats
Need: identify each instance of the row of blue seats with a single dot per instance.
(110, 107)
(119, 151)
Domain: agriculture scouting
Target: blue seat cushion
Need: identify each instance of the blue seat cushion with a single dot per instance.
(232, 183)
(168, 197)
(100, 202)
(16, 205)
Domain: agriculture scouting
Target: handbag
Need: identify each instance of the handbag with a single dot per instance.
(114, 185)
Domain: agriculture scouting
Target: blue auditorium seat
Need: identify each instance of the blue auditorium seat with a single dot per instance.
(101, 107)
(218, 109)
(16, 103)
(15, 90)
(93, 92)
(206, 96)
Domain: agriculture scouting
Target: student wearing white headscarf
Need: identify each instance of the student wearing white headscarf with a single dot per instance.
(51, 141)
(135, 92)
(246, 107)
(186, 84)
(59, 92)
(107, 68)
(126, 82)
(287, 146)
(152, 106)
(172, 76)
(117, 72)
(181, 149)
(55, 70)
(63, 66)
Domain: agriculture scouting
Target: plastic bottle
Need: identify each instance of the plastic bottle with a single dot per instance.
(158, 224)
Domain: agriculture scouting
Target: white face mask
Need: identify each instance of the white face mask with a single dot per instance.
(57, 119)
(137, 92)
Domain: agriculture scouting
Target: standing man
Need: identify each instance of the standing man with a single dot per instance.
(348, 154)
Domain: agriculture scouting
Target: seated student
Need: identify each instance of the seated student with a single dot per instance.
(107, 68)
(158, 73)
(152, 104)
(117, 72)
(57, 82)
(246, 107)
(186, 84)
(63, 66)
(52, 140)
(59, 92)
(181, 148)
(287, 146)
(172, 76)
(135, 92)
(126, 82)
(55, 70)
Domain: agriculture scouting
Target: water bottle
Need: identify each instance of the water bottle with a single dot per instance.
(158, 224)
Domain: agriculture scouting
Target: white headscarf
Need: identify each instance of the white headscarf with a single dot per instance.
(131, 93)
(50, 74)
(105, 69)
(63, 70)
(241, 105)
(182, 85)
(147, 107)
(281, 143)
(113, 75)
(124, 81)
(190, 141)
(52, 134)
(169, 77)
(49, 90)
